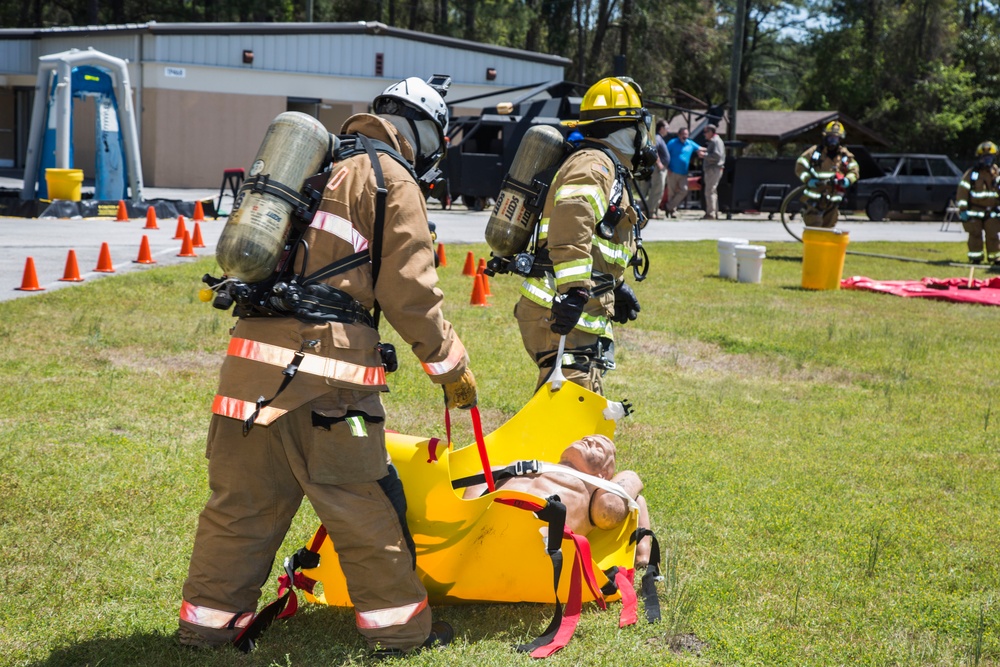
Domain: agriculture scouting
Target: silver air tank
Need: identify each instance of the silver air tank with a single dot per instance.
(511, 225)
(253, 239)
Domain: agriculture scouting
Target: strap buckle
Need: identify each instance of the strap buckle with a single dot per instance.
(526, 467)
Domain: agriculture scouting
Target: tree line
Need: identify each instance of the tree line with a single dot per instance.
(924, 74)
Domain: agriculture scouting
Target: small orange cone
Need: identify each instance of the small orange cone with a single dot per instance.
(181, 229)
(482, 265)
(478, 296)
(442, 260)
(122, 212)
(29, 283)
(187, 250)
(470, 265)
(104, 260)
(199, 212)
(151, 219)
(486, 284)
(196, 239)
(72, 272)
(145, 257)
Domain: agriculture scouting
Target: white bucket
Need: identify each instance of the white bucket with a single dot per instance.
(727, 257)
(749, 263)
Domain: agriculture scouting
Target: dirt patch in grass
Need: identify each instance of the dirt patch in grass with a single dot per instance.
(680, 643)
(136, 359)
(696, 357)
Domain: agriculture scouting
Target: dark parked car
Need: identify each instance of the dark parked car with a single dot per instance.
(910, 182)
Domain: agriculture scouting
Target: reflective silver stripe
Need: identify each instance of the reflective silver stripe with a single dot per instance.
(825, 174)
(804, 162)
(214, 618)
(613, 253)
(577, 270)
(965, 184)
(961, 202)
(976, 214)
(455, 357)
(983, 194)
(384, 618)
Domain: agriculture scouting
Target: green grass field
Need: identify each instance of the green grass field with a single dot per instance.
(821, 468)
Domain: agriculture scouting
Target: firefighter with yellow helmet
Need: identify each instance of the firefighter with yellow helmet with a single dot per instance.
(827, 170)
(977, 199)
(298, 411)
(586, 239)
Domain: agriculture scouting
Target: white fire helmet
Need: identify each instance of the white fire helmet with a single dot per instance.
(414, 103)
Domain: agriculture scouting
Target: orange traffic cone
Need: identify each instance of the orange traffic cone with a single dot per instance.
(187, 250)
(151, 219)
(104, 260)
(199, 212)
(122, 212)
(478, 296)
(482, 266)
(29, 283)
(442, 260)
(145, 257)
(470, 266)
(181, 229)
(486, 284)
(196, 239)
(72, 272)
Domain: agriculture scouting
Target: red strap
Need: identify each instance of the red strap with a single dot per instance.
(477, 427)
(318, 539)
(571, 615)
(432, 446)
(625, 580)
(447, 425)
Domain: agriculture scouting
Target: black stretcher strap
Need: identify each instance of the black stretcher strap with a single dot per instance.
(555, 514)
(516, 469)
(650, 601)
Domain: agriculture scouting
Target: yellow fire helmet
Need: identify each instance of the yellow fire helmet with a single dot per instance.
(610, 99)
(986, 148)
(834, 128)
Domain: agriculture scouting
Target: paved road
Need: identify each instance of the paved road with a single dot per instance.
(48, 241)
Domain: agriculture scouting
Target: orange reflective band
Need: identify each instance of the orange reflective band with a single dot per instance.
(383, 618)
(455, 357)
(214, 618)
(234, 408)
(313, 364)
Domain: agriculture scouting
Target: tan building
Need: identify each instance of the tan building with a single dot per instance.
(206, 92)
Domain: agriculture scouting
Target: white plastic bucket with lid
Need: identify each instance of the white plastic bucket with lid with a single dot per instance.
(727, 256)
(749, 262)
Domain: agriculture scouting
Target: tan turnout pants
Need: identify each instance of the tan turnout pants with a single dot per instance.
(258, 482)
(539, 339)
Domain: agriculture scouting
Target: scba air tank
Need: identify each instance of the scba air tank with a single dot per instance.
(294, 148)
(512, 223)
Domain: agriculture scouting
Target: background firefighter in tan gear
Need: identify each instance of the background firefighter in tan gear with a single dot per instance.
(827, 170)
(322, 435)
(977, 199)
(586, 239)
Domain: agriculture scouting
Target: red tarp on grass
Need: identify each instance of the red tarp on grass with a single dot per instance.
(945, 289)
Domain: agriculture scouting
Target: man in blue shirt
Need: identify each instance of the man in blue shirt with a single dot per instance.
(680, 149)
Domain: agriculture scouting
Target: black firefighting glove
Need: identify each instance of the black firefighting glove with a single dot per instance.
(567, 308)
(626, 304)
(461, 393)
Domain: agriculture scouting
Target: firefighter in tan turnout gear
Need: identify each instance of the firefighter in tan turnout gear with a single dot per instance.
(587, 239)
(827, 170)
(977, 199)
(320, 433)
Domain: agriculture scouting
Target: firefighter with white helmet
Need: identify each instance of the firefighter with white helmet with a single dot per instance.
(827, 170)
(298, 411)
(587, 239)
(977, 199)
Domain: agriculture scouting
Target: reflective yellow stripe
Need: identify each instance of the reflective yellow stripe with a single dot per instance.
(825, 174)
(575, 271)
(595, 324)
(539, 291)
(804, 162)
(384, 618)
(234, 408)
(313, 364)
(455, 357)
(590, 193)
(613, 253)
(214, 618)
(543, 228)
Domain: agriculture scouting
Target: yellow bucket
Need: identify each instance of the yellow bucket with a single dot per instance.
(823, 257)
(64, 183)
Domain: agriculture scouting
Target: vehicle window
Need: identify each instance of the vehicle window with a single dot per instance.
(939, 167)
(917, 167)
(887, 164)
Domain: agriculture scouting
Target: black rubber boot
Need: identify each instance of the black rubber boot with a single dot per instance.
(442, 634)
